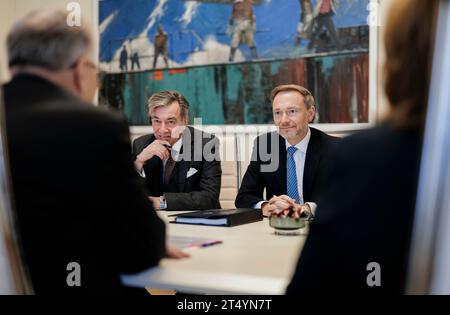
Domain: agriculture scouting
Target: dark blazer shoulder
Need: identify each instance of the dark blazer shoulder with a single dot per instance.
(144, 140)
(48, 98)
(322, 136)
(141, 142)
(366, 145)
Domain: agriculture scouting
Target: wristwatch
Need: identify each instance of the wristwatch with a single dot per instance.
(162, 202)
(306, 211)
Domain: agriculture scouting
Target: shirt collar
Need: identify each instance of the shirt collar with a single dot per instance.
(302, 145)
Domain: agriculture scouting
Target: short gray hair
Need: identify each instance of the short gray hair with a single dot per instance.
(43, 38)
(166, 98)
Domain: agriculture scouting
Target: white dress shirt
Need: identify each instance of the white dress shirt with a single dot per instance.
(299, 158)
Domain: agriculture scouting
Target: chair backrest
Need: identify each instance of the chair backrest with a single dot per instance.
(245, 143)
(230, 183)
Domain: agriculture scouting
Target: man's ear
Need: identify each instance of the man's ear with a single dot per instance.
(77, 75)
(185, 120)
(311, 113)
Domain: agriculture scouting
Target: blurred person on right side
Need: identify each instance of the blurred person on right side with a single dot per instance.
(359, 241)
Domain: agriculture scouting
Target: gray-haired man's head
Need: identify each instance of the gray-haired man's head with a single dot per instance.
(169, 114)
(43, 43)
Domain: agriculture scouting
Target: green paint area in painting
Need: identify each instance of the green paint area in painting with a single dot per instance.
(274, 67)
(240, 93)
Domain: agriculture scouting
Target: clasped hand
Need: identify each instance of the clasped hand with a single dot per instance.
(158, 148)
(282, 206)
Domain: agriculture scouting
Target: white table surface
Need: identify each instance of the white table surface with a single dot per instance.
(251, 260)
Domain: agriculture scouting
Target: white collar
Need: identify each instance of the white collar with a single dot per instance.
(302, 145)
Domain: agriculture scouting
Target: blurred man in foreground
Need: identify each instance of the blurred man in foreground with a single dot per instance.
(79, 203)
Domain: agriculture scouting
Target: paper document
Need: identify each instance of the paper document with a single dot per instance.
(184, 242)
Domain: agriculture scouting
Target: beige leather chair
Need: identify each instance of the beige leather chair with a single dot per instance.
(229, 165)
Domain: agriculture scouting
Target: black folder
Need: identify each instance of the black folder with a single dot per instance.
(220, 217)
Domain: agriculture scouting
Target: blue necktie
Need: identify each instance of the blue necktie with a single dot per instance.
(292, 185)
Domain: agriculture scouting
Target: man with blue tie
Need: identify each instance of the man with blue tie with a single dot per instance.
(291, 163)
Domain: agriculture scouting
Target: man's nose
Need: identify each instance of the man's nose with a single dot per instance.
(284, 118)
(163, 127)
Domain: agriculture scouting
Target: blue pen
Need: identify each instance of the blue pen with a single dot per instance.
(211, 243)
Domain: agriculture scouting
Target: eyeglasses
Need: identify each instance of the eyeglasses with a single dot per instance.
(278, 114)
(99, 74)
(90, 64)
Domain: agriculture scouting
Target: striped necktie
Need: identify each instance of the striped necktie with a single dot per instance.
(168, 169)
(292, 184)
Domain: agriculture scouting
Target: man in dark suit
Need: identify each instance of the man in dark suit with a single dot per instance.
(181, 165)
(290, 164)
(83, 216)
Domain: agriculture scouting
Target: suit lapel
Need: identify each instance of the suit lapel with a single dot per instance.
(312, 161)
(183, 166)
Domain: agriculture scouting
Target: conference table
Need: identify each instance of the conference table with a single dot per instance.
(252, 259)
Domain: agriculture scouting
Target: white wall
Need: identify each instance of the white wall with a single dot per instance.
(12, 10)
